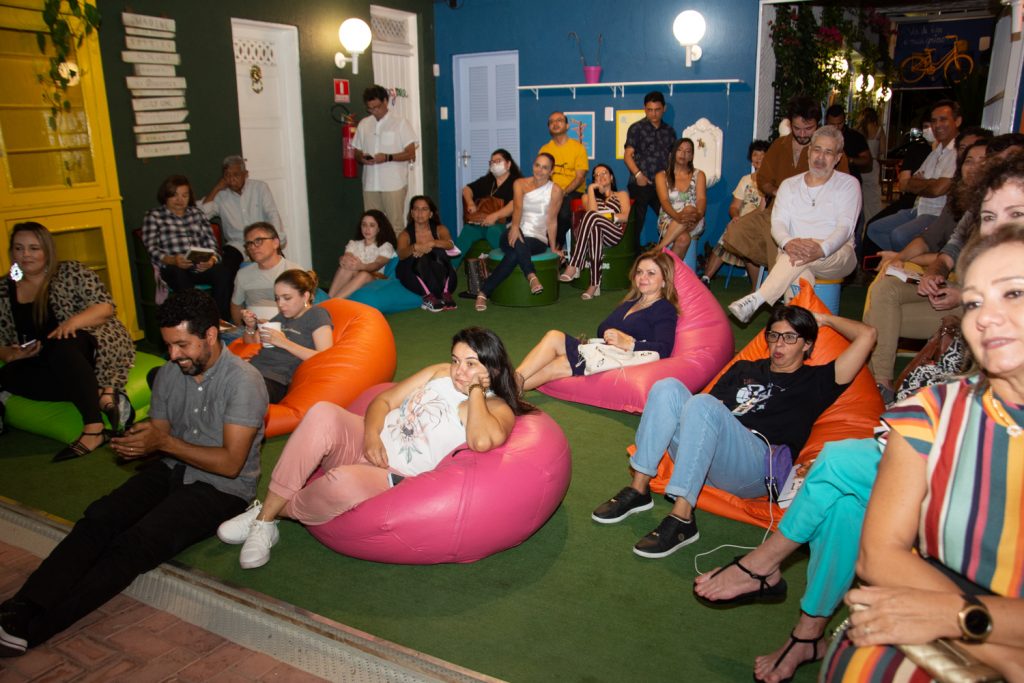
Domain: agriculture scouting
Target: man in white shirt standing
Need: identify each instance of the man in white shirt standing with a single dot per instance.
(812, 222)
(384, 145)
(931, 183)
(239, 202)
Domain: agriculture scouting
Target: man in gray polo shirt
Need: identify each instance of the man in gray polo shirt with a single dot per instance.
(206, 425)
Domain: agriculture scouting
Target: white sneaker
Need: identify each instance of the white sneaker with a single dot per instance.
(236, 529)
(256, 550)
(745, 308)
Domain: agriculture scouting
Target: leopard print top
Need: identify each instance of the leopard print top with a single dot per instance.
(74, 288)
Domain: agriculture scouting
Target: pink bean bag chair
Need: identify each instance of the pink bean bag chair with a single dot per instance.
(471, 506)
(704, 344)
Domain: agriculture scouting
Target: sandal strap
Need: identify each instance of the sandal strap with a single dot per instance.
(760, 578)
(793, 642)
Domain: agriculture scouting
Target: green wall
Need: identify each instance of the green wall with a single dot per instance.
(207, 62)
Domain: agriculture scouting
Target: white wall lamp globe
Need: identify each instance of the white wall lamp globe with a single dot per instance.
(865, 83)
(883, 94)
(688, 28)
(355, 36)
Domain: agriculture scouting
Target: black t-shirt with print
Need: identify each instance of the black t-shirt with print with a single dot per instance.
(780, 405)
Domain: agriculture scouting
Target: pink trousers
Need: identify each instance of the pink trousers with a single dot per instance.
(332, 438)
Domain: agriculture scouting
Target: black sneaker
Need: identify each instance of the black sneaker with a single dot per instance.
(671, 535)
(622, 505)
(432, 304)
(448, 303)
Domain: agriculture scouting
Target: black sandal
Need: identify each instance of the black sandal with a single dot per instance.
(793, 642)
(120, 412)
(77, 449)
(763, 593)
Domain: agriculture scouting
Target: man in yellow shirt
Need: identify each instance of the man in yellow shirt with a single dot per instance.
(570, 171)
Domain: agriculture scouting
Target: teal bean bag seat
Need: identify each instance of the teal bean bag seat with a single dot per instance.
(61, 421)
(387, 296)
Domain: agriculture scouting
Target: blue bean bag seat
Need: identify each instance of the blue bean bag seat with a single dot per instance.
(387, 296)
(61, 421)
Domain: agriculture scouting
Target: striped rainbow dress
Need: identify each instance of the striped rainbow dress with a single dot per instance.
(972, 516)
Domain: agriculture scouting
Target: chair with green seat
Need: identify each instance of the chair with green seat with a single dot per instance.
(61, 421)
(515, 290)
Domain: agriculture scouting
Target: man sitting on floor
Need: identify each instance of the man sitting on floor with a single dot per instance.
(206, 424)
(813, 219)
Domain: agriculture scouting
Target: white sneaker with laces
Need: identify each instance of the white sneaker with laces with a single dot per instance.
(745, 308)
(236, 529)
(256, 550)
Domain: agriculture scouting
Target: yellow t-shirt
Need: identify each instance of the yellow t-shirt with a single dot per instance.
(569, 158)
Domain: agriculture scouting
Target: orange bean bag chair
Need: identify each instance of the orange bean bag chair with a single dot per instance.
(854, 415)
(363, 355)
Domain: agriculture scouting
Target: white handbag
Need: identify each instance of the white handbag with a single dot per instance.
(600, 357)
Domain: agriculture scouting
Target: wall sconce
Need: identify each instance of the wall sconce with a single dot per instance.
(688, 28)
(355, 37)
(883, 94)
(69, 72)
(864, 83)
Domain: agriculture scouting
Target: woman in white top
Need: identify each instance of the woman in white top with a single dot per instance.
(408, 430)
(365, 256)
(535, 204)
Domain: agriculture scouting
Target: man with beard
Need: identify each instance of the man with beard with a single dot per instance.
(812, 223)
(205, 428)
(750, 236)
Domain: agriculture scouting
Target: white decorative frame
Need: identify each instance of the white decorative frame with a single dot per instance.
(707, 153)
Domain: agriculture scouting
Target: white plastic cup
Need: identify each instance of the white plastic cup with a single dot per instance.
(269, 326)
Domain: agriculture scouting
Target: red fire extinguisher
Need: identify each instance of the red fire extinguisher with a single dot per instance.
(340, 113)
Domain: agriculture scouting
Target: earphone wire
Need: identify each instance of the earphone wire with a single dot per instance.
(771, 512)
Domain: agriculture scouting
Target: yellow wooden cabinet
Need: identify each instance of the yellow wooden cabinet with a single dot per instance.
(64, 178)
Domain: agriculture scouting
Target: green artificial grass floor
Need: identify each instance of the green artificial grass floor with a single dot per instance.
(571, 603)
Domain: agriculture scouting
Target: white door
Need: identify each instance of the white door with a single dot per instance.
(270, 119)
(1007, 57)
(396, 59)
(486, 114)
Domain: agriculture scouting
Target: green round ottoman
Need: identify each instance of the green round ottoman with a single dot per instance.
(515, 290)
(617, 261)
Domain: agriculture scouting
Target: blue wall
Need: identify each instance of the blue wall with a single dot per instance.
(638, 46)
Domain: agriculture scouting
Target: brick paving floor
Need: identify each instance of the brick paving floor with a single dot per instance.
(126, 640)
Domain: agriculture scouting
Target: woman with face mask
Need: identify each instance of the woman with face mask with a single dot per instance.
(487, 202)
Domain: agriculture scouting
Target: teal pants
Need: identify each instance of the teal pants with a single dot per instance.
(827, 514)
(471, 233)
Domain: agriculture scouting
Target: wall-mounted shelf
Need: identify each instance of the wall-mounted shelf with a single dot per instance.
(619, 89)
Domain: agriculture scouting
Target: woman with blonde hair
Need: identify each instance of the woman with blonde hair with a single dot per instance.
(60, 339)
(645, 320)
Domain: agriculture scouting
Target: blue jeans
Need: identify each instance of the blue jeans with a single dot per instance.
(718, 449)
(519, 255)
(894, 232)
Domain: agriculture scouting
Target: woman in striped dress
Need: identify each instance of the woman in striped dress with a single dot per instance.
(607, 209)
(942, 550)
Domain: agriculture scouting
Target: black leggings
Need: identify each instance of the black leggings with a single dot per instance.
(64, 370)
(433, 271)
